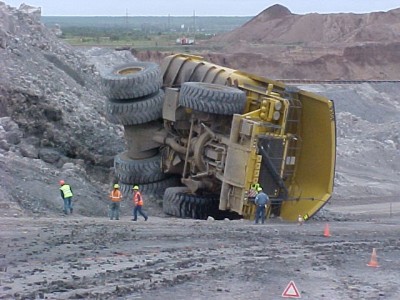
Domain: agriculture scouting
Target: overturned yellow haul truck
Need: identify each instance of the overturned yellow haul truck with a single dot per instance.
(223, 130)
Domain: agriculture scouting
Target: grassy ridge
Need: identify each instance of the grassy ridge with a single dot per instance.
(140, 32)
(208, 24)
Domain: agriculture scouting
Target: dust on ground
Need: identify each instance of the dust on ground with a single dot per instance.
(75, 257)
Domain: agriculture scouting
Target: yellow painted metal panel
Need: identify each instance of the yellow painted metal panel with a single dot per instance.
(311, 184)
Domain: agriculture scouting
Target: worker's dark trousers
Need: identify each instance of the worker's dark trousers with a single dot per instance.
(68, 205)
(136, 210)
(260, 214)
(114, 210)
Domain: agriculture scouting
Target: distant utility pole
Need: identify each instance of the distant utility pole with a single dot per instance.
(126, 17)
(194, 26)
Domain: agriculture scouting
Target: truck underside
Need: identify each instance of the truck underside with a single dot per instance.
(219, 131)
(284, 139)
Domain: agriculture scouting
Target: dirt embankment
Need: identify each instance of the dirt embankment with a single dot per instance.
(52, 119)
(314, 46)
(279, 44)
(277, 25)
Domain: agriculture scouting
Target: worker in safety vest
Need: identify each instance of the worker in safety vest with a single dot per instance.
(138, 202)
(116, 197)
(261, 202)
(66, 195)
(253, 191)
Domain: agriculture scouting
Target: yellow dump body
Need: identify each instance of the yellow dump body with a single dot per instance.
(299, 124)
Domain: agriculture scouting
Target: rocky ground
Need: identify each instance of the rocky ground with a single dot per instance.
(52, 127)
(52, 117)
(164, 258)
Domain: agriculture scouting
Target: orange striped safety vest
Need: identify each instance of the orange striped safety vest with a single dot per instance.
(137, 199)
(116, 195)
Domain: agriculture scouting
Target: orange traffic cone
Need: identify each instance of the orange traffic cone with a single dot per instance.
(326, 231)
(374, 261)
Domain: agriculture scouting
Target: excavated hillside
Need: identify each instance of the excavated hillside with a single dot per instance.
(278, 25)
(52, 118)
(315, 46)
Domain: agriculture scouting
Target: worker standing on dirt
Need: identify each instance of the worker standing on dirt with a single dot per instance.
(116, 197)
(138, 202)
(261, 203)
(66, 195)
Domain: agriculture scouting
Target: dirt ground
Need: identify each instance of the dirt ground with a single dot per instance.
(75, 257)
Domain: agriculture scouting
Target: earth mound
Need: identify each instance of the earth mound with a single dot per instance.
(52, 119)
(314, 46)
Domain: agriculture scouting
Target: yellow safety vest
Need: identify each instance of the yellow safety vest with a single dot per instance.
(254, 190)
(255, 186)
(66, 189)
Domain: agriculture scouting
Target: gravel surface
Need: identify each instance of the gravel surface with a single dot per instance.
(164, 258)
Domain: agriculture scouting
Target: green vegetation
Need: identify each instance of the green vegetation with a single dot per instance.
(140, 32)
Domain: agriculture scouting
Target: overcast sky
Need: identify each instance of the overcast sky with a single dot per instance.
(199, 7)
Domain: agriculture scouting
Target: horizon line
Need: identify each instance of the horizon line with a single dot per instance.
(194, 15)
(191, 16)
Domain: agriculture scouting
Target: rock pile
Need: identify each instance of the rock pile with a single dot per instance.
(52, 115)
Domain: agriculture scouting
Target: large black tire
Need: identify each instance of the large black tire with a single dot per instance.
(139, 139)
(212, 98)
(156, 189)
(132, 80)
(135, 112)
(179, 202)
(172, 201)
(132, 171)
